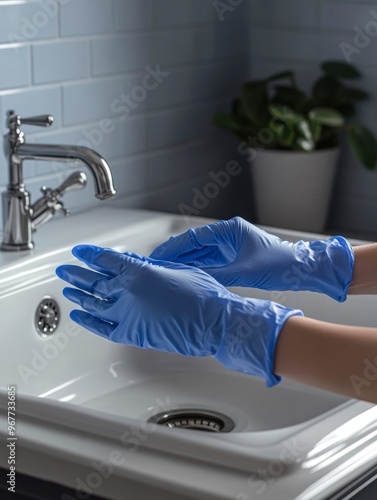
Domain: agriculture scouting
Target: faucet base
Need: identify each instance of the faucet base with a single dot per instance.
(17, 234)
(15, 248)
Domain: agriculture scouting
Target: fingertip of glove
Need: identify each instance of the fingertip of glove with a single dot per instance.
(60, 272)
(67, 292)
(83, 251)
(75, 315)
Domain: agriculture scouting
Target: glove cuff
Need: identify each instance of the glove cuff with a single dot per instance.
(325, 266)
(252, 330)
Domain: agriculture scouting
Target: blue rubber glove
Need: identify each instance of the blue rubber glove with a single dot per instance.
(237, 253)
(171, 307)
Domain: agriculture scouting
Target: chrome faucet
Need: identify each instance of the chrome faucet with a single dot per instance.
(20, 218)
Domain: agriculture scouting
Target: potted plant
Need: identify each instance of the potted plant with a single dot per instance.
(295, 136)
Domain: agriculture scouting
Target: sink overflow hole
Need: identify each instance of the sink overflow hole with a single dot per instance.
(47, 316)
(199, 420)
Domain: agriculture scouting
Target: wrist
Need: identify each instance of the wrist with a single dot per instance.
(364, 278)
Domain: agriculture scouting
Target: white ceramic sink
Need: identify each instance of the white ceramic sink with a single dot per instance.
(80, 396)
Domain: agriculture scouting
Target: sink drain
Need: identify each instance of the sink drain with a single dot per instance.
(199, 420)
(47, 316)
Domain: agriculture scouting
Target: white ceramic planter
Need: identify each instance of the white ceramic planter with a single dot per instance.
(293, 189)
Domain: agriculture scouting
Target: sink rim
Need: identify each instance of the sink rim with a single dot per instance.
(241, 457)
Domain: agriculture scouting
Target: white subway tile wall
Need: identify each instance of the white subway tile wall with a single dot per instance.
(299, 35)
(136, 80)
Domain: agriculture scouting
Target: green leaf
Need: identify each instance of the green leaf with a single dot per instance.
(285, 114)
(346, 109)
(339, 69)
(325, 89)
(227, 121)
(290, 96)
(351, 95)
(254, 100)
(286, 136)
(308, 105)
(364, 145)
(316, 131)
(303, 145)
(303, 129)
(277, 126)
(326, 116)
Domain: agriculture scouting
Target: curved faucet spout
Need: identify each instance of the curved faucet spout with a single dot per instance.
(98, 167)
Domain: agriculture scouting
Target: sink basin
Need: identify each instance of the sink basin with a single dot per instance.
(75, 387)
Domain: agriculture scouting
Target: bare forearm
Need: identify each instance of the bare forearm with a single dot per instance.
(364, 280)
(337, 358)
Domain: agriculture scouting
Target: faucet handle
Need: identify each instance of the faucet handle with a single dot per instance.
(38, 121)
(77, 180)
(59, 205)
(16, 137)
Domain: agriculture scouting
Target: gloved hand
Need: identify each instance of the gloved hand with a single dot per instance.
(171, 307)
(238, 253)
